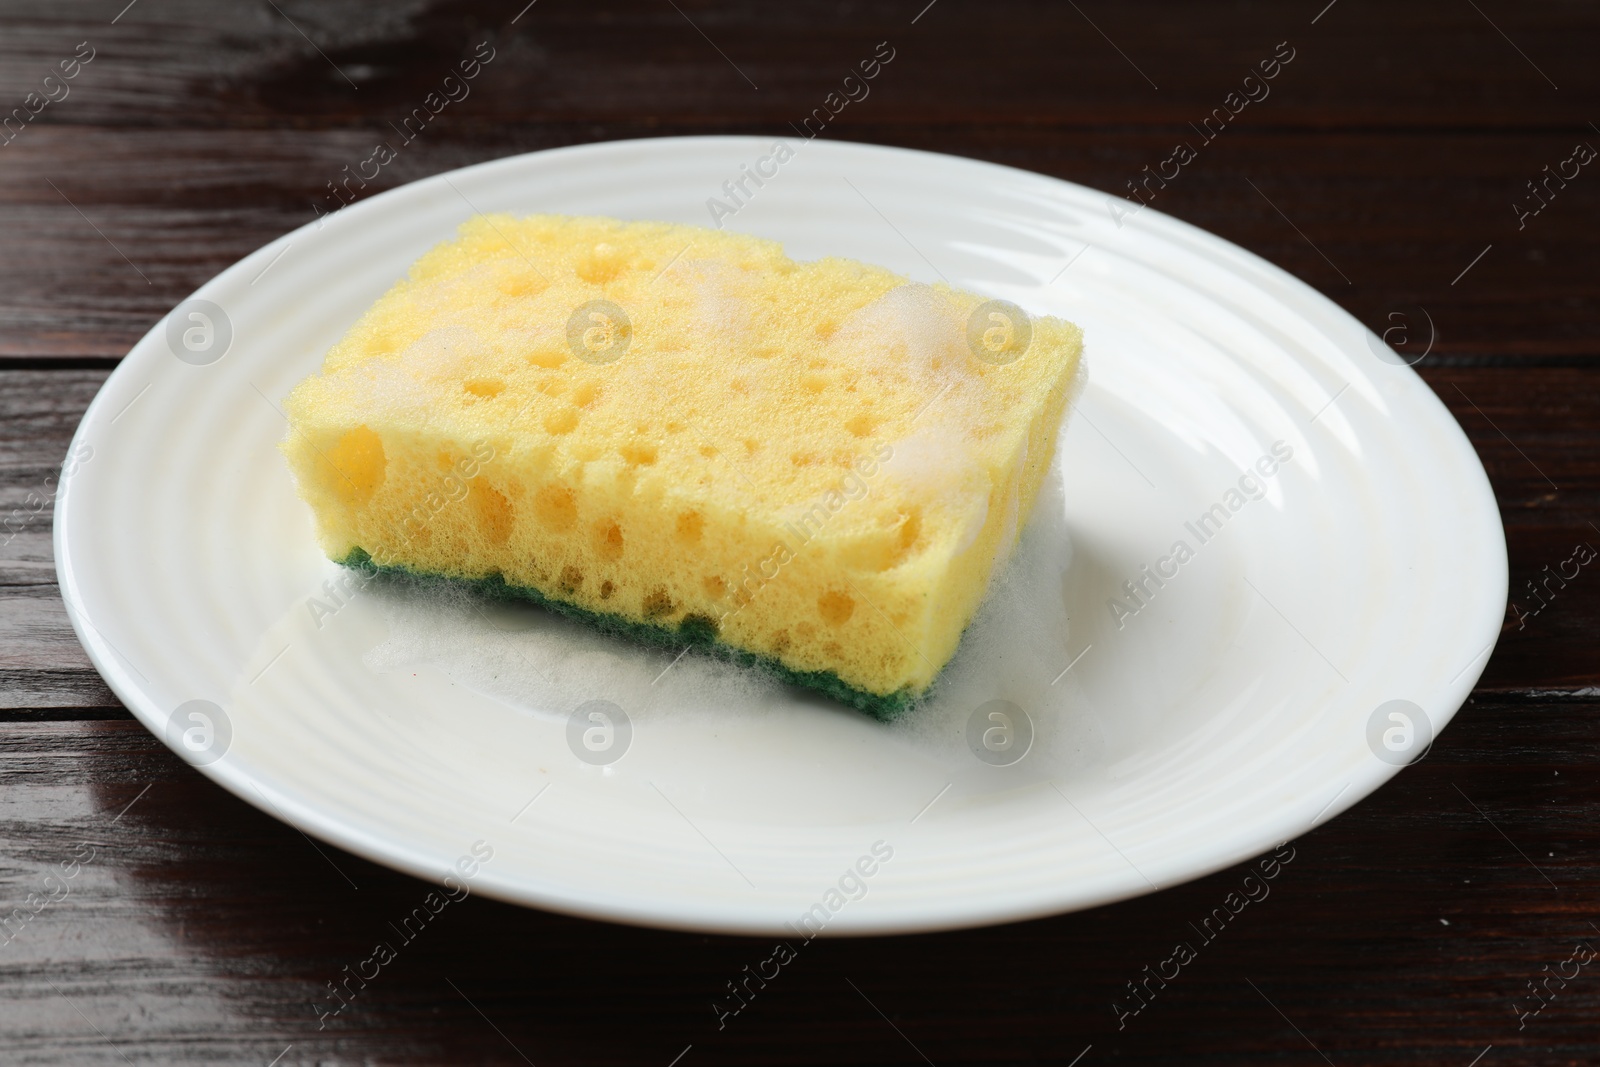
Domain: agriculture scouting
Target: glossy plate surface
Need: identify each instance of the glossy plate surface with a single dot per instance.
(1233, 705)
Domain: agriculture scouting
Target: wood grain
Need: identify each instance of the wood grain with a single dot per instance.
(163, 211)
(1390, 153)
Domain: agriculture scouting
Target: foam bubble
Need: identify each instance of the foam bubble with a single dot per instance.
(913, 328)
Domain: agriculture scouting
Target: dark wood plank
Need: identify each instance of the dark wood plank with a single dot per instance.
(1397, 140)
(1536, 434)
(190, 63)
(41, 663)
(163, 211)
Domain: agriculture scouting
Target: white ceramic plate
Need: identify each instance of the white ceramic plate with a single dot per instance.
(1237, 707)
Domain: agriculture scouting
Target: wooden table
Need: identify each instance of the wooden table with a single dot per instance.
(1385, 167)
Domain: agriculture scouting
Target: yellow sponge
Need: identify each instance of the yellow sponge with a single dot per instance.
(685, 434)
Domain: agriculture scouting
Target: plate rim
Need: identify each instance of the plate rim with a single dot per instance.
(396, 854)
